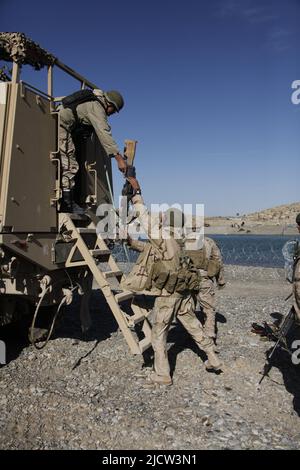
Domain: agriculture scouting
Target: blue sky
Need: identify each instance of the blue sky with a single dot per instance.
(207, 85)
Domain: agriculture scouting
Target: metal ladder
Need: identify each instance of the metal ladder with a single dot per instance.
(83, 255)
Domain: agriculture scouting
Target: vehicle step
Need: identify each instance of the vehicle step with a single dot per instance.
(87, 230)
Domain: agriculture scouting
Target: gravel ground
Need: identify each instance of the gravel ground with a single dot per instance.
(90, 393)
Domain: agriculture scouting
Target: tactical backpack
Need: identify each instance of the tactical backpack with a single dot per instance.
(79, 97)
(177, 275)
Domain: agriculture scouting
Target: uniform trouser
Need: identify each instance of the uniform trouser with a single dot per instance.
(165, 309)
(206, 298)
(68, 160)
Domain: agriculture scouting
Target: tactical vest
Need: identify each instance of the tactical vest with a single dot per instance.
(199, 258)
(79, 97)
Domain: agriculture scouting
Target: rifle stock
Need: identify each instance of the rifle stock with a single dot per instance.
(129, 151)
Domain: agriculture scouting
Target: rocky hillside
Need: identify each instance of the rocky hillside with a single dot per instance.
(279, 214)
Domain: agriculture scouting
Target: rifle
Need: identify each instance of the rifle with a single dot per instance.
(281, 336)
(129, 154)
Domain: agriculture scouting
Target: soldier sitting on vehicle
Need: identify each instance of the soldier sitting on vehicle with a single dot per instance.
(86, 108)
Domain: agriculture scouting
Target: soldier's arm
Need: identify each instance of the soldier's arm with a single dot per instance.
(136, 245)
(217, 256)
(149, 224)
(98, 120)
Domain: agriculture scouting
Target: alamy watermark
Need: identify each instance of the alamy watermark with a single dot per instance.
(296, 94)
(2, 353)
(160, 221)
(296, 353)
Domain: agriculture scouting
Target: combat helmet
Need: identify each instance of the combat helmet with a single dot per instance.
(298, 219)
(115, 98)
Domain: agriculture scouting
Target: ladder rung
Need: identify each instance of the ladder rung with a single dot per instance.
(112, 273)
(98, 252)
(134, 319)
(123, 296)
(144, 344)
(87, 230)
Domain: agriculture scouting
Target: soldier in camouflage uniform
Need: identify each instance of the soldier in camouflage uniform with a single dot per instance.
(90, 113)
(207, 293)
(296, 283)
(208, 260)
(168, 305)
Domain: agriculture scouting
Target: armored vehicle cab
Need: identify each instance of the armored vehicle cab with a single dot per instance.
(46, 255)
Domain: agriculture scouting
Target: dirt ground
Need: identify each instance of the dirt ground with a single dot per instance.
(90, 393)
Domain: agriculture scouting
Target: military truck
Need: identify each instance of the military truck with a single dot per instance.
(47, 255)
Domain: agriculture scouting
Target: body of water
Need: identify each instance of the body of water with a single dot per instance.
(245, 250)
(253, 250)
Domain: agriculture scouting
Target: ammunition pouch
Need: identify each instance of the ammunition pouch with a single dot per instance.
(184, 280)
(198, 258)
(188, 281)
(158, 276)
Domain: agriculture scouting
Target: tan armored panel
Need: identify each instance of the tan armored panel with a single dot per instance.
(28, 176)
(3, 100)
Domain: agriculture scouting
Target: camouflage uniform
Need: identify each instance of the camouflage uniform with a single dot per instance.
(207, 293)
(91, 113)
(168, 306)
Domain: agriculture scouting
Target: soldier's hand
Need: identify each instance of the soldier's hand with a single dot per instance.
(122, 165)
(134, 183)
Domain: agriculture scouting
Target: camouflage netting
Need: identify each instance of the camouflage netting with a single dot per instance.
(15, 47)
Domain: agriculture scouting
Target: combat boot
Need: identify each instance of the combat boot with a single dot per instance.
(160, 379)
(213, 361)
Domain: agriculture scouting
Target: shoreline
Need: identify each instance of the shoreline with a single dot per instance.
(251, 230)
